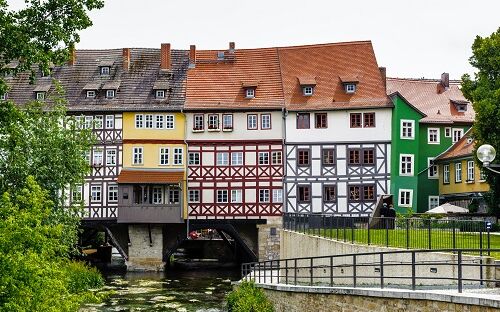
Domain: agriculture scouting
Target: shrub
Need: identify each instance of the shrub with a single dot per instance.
(248, 298)
(81, 277)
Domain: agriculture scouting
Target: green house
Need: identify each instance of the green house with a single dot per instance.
(429, 116)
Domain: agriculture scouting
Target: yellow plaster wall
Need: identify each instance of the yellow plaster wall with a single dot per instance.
(464, 186)
(130, 132)
(151, 156)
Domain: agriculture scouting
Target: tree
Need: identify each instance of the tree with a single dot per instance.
(40, 34)
(484, 93)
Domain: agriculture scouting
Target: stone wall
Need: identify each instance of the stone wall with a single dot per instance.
(144, 255)
(269, 238)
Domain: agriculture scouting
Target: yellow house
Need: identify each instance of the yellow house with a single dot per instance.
(152, 183)
(461, 181)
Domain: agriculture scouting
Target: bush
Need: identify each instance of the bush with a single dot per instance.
(80, 277)
(248, 298)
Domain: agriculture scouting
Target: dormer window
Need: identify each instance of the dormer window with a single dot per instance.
(307, 84)
(460, 105)
(160, 94)
(91, 94)
(3, 97)
(461, 108)
(110, 94)
(307, 90)
(250, 93)
(350, 88)
(105, 70)
(40, 96)
(350, 83)
(249, 87)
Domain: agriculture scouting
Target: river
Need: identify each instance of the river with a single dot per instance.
(181, 291)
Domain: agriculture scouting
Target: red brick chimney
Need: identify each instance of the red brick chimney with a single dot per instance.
(383, 73)
(192, 56)
(126, 59)
(72, 55)
(165, 56)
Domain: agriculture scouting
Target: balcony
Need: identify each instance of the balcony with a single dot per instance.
(150, 213)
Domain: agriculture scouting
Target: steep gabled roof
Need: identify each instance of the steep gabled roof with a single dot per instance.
(220, 84)
(436, 102)
(462, 148)
(331, 65)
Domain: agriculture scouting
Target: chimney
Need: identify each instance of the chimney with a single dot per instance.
(445, 80)
(192, 56)
(126, 59)
(165, 56)
(383, 73)
(231, 47)
(72, 54)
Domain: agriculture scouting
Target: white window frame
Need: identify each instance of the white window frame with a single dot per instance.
(402, 129)
(227, 122)
(406, 174)
(252, 122)
(178, 156)
(193, 196)
(264, 196)
(111, 157)
(3, 97)
(249, 93)
(112, 189)
(222, 158)
(40, 96)
(213, 122)
(174, 196)
(98, 122)
(409, 199)
(89, 121)
(95, 193)
(91, 94)
(169, 122)
(105, 70)
(157, 195)
(149, 121)
(307, 90)
(164, 156)
(194, 158)
(110, 94)
(457, 130)
(447, 132)
(160, 94)
(350, 88)
(263, 158)
(429, 135)
(470, 171)
(277, 196)
(98, 157)
(220, 195)
(458, 169)
(110, 122)
(236, 196)
(139, 121)
(430, 198)
(237, 159)
(77, 190)
(137, 155)
(159, 122)
(446, 174)
(429, 169)
(265, 121)
(198, 120)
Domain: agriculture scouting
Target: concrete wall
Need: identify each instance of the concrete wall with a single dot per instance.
(296, 245)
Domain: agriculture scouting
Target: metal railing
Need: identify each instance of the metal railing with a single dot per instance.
(409, 233)
(410, 269)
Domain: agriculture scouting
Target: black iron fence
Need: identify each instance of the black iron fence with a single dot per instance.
(409, 233)
(412, 269)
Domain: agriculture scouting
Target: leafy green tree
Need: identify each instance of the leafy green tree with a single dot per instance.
(40, 34)
(484, 93)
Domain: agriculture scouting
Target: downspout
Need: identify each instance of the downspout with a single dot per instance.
(284, 114)
(185, 181)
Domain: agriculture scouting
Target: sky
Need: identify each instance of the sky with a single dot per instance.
(412, 39)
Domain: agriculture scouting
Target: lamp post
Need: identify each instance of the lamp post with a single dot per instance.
(486, 154)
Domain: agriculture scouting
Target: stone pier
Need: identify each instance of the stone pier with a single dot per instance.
(145, 251)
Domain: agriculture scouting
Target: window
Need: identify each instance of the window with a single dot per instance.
(356, 120)
(307, 90)
(406, 164)
(433, 136)
(3, 97)
(354, 192)
(148, 121)
(139, 121)
(446, 174)
(227, 122)
(329, 193)
(369, 120)
(407, 129)
(350, 87)
(110, 94)
(265, 121)
(252, 122)
(76, 194)
(160, 94)
(89, 120)
(194, 158)
(222, 159)
(263, 158)
(173, 196)
(263, 196)
(137, 156)
(222, 196)
(112, 193)
(304, 193)
(164, 155)
(213, 122)
(303, 121)
(178, 156)
(236, 196)
(361, 192)
(433, 202)
(95, 193)
(328, 157)
(86, 155)
(482, 175)
(369, 192)
(354, 157)
(105, 70)
(277, 196)
(194, 196)
(457, 135)
(198, 122)
(40, 96)
(276, 158)
(432, 172)
(321, 120)
(458, 172)
(368, 156)
(110, 157)
(303, 157)
(157, 195)
(447, 132)
(169, 121)
(90, 94)
(110, 121)
(160, 122)
(237, 158)
(249, 93)
(98, 122)
(405, 198)
(98, 158)
(470, 171)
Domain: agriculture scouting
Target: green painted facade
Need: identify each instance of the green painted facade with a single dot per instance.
(421, 185)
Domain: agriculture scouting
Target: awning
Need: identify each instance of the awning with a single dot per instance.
(150, 176)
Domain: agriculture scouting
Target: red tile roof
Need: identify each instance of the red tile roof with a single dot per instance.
(428, 96)
(327, 63)
(150, 176)
(463, 148)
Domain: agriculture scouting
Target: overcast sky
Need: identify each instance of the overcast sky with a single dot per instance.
(411, 38)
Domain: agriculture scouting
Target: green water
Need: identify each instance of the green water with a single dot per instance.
(181, 291)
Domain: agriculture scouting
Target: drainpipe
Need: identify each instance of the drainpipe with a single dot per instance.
(285, 198)
(187, 162)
